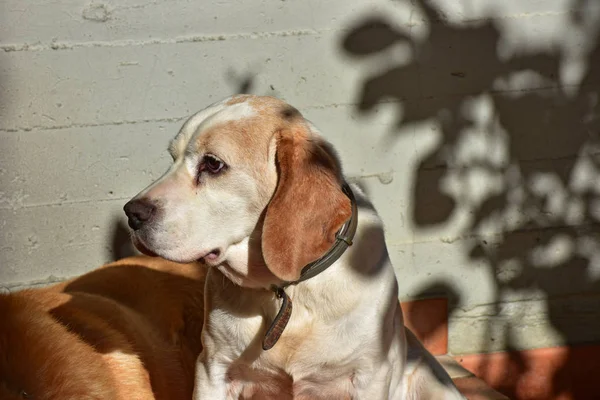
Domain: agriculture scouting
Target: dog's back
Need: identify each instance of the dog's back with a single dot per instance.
(128, 330)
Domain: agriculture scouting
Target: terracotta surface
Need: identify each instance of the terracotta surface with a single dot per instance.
(559, 373)
(474, 388)
(469, 385)
(428, 320)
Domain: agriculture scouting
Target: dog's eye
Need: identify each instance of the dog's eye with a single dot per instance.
(212, 164)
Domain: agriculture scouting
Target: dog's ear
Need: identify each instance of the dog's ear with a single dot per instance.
(308, 206)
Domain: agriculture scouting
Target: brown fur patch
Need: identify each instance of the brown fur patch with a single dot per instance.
(129, 330)
(290, 113)
(308, 207)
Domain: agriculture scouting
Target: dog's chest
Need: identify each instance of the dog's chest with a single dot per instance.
(304, 364)
(261, 381)
(315, 367)
(318, 355)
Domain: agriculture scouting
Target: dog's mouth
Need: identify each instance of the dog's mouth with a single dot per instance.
(211, 258)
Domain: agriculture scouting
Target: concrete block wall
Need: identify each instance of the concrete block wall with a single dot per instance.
(472, 124)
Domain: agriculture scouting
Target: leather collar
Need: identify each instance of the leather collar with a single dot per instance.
(343, 240)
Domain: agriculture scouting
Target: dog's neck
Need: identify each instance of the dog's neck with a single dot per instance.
(343, 240)
(246, 267)
(322, 291)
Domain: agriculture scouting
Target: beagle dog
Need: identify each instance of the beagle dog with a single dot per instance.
(301, 300)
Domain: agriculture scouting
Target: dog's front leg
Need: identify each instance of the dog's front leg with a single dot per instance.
(211, 379)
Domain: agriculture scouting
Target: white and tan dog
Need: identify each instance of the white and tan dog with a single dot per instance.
(256, 194)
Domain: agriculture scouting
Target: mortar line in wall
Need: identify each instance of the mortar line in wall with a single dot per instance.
(311, 107)
(506, 17)
(142, 121)
(503, 168)
(65, 45)
(91, 124)
(479, 236)
(533, 297)
(62, 203)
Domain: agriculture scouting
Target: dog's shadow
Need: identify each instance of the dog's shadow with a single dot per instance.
(136, 287)
(121, 245)
(133, 309)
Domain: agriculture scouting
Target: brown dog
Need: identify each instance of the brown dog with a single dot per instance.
(128, 330)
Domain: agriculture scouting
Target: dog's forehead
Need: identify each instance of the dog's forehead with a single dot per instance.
(243, 113)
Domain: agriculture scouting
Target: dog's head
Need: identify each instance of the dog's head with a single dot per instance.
(253, 190)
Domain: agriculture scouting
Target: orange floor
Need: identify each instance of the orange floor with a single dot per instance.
(558, 373)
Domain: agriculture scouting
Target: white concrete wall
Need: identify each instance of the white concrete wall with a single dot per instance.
(479, 149)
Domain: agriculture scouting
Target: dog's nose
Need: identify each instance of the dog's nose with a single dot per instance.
(139, 212)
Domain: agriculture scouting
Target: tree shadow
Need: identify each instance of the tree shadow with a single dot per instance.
(534, 225)
(243, 83)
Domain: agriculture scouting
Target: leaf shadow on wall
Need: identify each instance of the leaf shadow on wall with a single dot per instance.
(535, 228)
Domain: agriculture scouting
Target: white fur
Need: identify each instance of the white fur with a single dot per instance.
(203, 119)
(345, 338)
